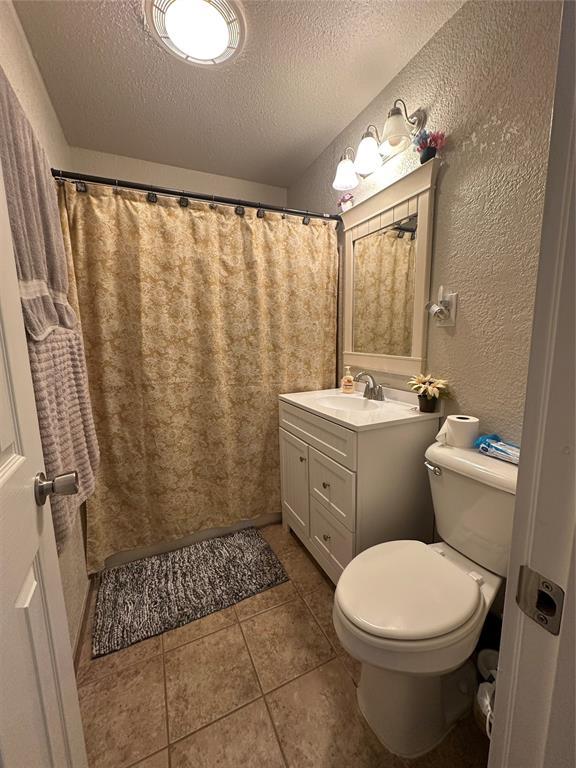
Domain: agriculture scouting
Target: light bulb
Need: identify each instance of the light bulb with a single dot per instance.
(197, 28)
(367, 156)
(345, 178)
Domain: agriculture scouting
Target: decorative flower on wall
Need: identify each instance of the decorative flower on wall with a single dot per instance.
(427, 143)
(346, 201)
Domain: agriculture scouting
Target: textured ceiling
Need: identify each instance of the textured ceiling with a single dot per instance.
(307, 69)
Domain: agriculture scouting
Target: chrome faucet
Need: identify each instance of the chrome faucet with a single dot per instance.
(372, 391)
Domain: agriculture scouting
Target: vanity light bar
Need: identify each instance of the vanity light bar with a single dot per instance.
(374, 150)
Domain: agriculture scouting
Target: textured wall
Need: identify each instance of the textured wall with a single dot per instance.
(18, 63)
(75, 583)
(486, 78)
(131, 169)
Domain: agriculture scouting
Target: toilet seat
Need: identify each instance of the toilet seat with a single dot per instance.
(405, 590)
(432, 655)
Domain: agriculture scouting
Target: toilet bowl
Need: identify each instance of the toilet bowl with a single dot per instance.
(412, 613)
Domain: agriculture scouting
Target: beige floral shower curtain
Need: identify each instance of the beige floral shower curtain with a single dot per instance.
(194, 319)
(384, 293)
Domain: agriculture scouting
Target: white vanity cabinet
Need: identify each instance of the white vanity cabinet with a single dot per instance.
(346, 488)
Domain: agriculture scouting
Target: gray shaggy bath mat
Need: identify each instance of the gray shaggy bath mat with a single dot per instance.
(150, 596)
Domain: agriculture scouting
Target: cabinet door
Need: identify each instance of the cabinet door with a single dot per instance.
(294, 482)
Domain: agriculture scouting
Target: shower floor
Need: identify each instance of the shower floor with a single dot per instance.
(262, 684)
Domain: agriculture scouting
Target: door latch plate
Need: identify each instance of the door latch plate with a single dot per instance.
(541, 599)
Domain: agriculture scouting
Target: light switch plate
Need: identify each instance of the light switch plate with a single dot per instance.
(450, 303)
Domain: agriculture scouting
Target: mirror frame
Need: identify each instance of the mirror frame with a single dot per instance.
(413, 193)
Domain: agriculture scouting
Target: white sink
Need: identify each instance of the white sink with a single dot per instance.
(357, 412)
(349, 403)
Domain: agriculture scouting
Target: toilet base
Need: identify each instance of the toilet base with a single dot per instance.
(412, 714)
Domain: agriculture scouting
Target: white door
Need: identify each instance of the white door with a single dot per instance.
(535, 717)
(40, 724)
(294, 483)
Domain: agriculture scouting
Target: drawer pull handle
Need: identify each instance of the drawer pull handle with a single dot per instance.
(325, 485)
(325, 537)
(302, 458)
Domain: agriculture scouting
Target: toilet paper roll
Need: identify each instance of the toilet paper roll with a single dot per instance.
(459, 430)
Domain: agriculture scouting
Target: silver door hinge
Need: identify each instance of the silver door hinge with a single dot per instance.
(540, 598)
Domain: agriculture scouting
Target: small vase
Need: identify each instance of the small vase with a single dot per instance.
(427, 404)
(427, 154)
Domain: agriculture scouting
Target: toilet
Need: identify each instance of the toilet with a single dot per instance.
(412, 613)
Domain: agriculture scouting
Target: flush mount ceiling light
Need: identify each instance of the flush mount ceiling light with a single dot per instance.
(204, 32)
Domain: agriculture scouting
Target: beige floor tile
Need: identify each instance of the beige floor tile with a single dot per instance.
(305, 574)
(320, 726)
(270, 598)
(207, 679)
(285, 642)
(465, 747)
(90, 670)
(281, 541)
(243, 739)
(124, 715)
(159, 760)
(199, 628)
(352, 666)
(321, 602)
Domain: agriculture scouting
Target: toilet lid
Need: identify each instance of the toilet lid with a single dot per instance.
(406, 591)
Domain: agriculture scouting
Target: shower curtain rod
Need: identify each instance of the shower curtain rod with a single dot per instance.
(69, 175)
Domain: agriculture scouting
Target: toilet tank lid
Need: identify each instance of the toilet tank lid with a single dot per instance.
(472, 463)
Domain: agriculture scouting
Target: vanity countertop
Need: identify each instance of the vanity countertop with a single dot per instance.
(356, 412)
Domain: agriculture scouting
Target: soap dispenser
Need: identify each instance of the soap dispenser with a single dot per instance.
(347, 383)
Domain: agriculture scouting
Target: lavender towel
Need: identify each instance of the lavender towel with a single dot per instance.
(55, 344)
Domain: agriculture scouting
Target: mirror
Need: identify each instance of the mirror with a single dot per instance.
(383, 290)
(385, 320)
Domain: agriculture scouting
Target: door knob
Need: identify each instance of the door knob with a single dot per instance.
(325, 485)
(64, 485)
(302, 458)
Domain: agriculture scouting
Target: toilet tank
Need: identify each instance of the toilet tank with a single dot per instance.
(473, 498)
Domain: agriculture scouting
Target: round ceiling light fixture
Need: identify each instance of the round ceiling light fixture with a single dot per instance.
(204, 32)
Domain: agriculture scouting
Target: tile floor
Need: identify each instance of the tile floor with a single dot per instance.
(264, 684)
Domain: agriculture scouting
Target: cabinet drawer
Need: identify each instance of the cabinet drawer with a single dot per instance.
(335, 441)
(334, 487)
(334, 542)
